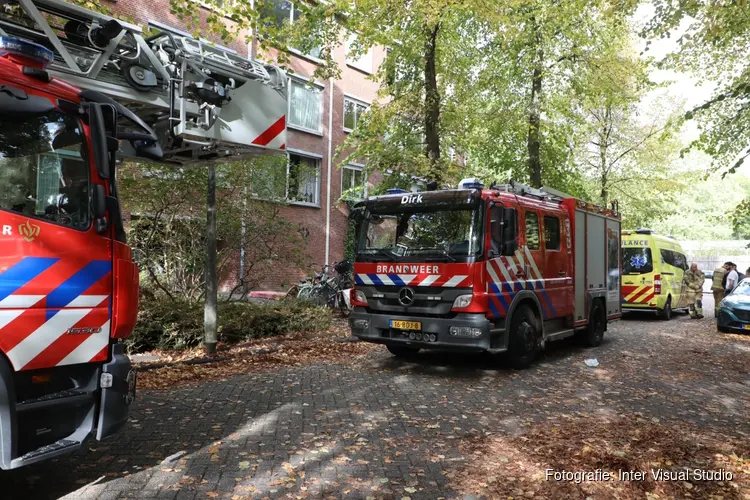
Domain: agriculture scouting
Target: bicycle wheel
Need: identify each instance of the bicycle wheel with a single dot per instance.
(316, 295)
(305, 293)
(293, 292)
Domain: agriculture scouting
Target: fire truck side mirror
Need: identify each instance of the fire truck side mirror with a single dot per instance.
(99, 199)
(99, 142)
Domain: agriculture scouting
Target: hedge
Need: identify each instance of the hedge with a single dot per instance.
(164, 324)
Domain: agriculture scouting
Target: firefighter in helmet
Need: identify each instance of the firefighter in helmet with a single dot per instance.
(694, 279)
(717, 287)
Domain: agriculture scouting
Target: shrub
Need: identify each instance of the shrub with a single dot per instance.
(168, 325)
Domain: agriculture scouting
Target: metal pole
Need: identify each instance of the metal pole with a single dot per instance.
(210, 313)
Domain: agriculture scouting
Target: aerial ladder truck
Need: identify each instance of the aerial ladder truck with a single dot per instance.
(78, 92)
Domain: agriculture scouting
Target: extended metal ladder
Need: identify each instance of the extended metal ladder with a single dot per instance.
(203, 101)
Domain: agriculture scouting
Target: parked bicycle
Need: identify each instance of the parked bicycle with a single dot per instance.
(303, 289)
(325, 290)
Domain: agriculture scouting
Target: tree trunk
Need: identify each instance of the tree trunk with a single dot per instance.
(432, 104)
(210, 312)
(532, 142)
(603, 145)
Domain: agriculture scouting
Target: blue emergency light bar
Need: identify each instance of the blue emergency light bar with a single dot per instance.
(470, 183)
(25, 49)
(396, 191)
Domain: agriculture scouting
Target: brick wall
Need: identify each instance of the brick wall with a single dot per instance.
(353, 83)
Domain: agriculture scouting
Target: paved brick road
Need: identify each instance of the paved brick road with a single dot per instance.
(387, 428)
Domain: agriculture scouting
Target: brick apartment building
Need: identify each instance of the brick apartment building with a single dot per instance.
(318, 120)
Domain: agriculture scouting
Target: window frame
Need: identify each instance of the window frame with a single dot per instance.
(357, 63)
(297, 52)
(526, 214)
(307, 83)
(356, 167)
(356, 102)
(318, 158)
(559, 233)
(87, 161)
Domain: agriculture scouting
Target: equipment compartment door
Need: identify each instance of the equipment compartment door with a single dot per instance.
(613, 268)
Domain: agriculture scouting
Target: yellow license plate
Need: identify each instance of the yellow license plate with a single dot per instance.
(406, 325)
(746, 327)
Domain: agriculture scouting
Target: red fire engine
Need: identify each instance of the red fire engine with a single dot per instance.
(503, 270)
(68, 284)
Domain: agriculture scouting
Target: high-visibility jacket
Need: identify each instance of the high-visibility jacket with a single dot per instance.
(717, 283)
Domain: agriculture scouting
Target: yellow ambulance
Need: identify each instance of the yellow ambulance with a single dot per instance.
(652, 270)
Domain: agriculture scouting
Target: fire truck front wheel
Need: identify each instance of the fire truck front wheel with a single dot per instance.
(524, 337)
(401, 351)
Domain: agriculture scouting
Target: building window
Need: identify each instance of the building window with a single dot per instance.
(351, 177)
(303, 179)
(532, 231)
(352, 112)
(305, 106)
(551, 233)
(363, 62)
(279, 12)
(268, 179)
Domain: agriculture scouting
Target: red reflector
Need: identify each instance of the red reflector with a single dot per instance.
(40, 379)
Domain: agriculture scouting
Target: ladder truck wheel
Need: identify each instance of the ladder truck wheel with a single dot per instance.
(524, 335)
(595, 329)
(401, 351)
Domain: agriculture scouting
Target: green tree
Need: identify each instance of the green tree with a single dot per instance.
(168, 232)
(713, 40)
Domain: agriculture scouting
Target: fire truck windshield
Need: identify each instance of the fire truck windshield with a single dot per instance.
(451, 235)
(42, 171)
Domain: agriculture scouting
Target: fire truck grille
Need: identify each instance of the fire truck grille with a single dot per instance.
(426, 302)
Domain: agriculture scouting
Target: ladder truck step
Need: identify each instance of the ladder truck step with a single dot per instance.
(61, 398)
(48, 451)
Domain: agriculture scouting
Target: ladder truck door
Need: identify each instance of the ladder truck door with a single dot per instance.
(55, 268)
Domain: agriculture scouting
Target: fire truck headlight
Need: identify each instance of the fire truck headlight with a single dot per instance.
(106, 380)
(361, 324)
(462, 300)
(359, 296)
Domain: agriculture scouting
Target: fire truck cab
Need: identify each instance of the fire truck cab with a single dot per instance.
(68, 284)
(502, 270)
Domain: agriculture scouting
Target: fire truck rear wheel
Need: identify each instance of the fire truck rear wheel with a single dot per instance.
(401, 351)
(524, 337)
(595, 331)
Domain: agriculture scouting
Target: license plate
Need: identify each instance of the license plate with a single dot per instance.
(746, 327)
(406, 325)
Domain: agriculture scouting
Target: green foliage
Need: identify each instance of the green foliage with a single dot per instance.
(714, 48)
(176, 325)
(167, 231)
(350, 240)
(708, 209)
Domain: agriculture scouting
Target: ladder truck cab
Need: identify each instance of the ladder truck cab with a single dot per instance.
(68, 284)
(502, 270)
(78, 92)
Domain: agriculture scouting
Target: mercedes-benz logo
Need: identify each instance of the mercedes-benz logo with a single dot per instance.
(406, 296)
